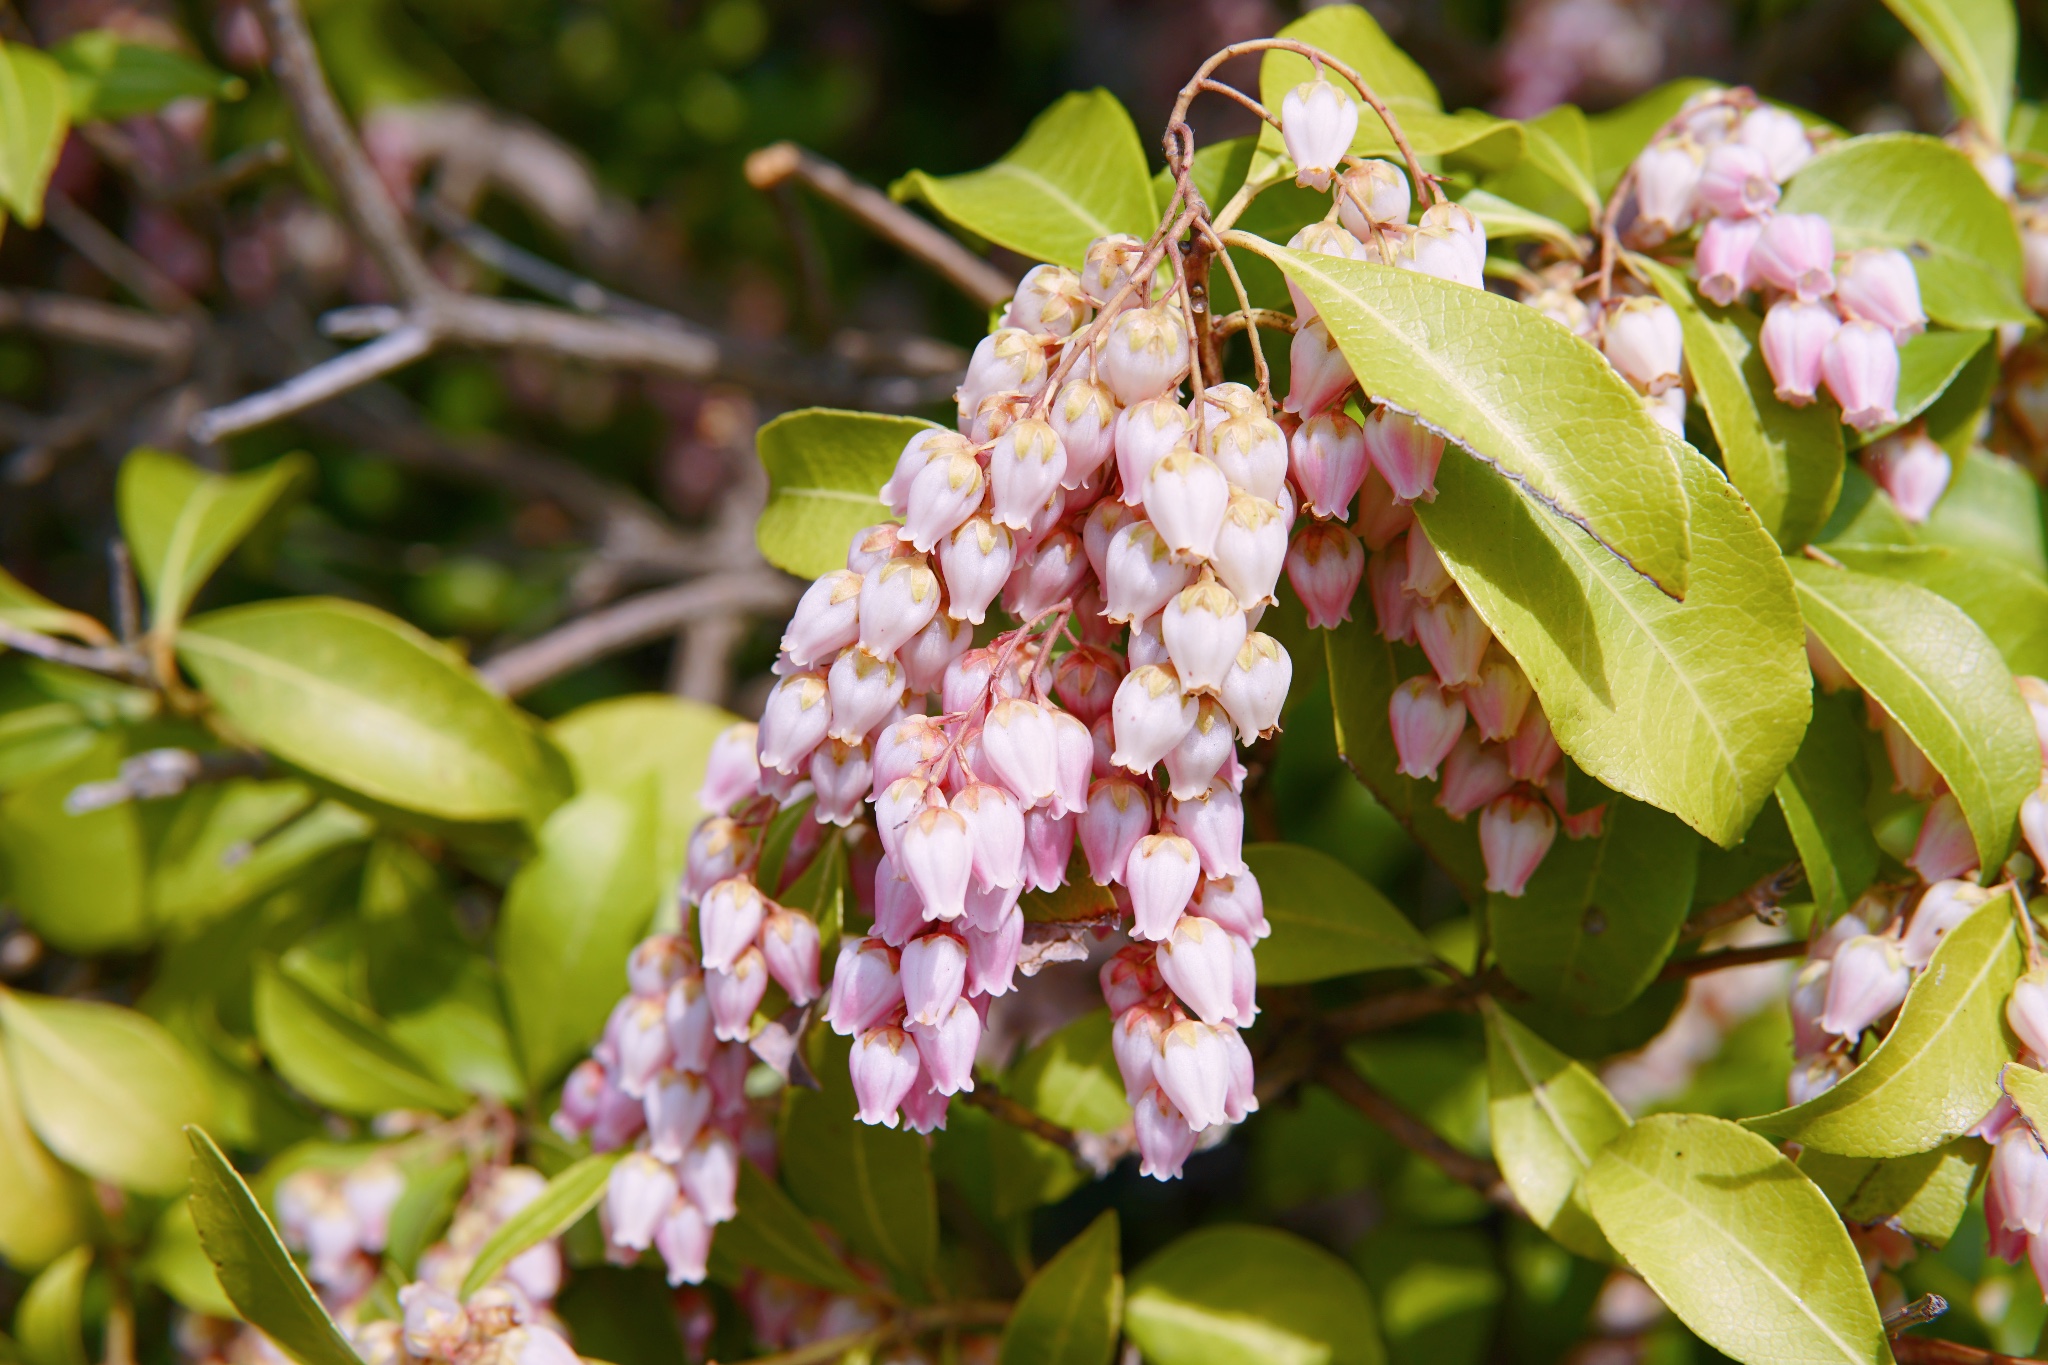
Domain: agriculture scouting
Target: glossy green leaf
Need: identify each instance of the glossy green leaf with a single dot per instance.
(43, 1214)
(2027, 1088)
(226, 844)
(825, 473)
(1974, 43)
(1327, 920)
(1928, 364)
(49, 1322)
(1936, 1073)
(772, 1234)
(176, 1261)
(1235, 1295)
(1925, 1195)
(112, 78)
(461, 1033)
(1072, 1077)
(1736, 1242)
(1693, 707)
(105, 1088)
(44, 845)
(1930, 666)
(1505, 220)
(1079, 173)
(1992, 504)
(1519, 392)
(181, 521)
(1560, 145)
(1549, 1117)
(614, 743)
(873, 1185)
(1921, 195)
(256, 1272)
(1600, 916)
(1822, 794)
(35, 112)
(367, 701)
(22, 606)
(338, 1053)
(2008, 603)
(570, 918)
(1786, 461)
(434, 1185)
(1070, 1311)
(567, 1198)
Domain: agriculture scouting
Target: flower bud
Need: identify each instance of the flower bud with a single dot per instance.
(582, 1093)
(1250, 548)
(1131, 978)
(1236, 903)
(897, 600)
(932, 443)
(1911, 469)
(1017, 746)
(1474, 775)
(1118, 815)
(655, 964)
(1144, 645)
(1145, 353)
(1025, 466)
(1866, 981)
(1185, 498)
(1372, 194)
(794, 722)
(826, 620)
(944, 494)
(678, 1105)
(1317, 121)
(2034, 823)
(1532, 750)
(1134, 1045)
(1203, 627)
(1255, 689)
(875, 545)
(995, 830)
(1049, 575)
(1048, 302)
(1251, 451)
(1912, 773)
(899, 910)
(1107, 265)
(1499, 699)
(1324, 564)
(1161, 876)
(1453, 637)
(1104, 520)
(1242, 1097)
(1406, 454)
(884, 1066)
(1460, 220)
(1329, 461)
(1667, 174)
(686, 1016)
(1194, 763)
(992, 954)
(1795, 339)
(988, 906)
(1795, 252)
(1008, 360)
(709, 1175)
(1878, 284)
(934, 973)
(735, 995)
(1048, 847)
(1085, 680)
(2027, 1010)
(927, 656)
(906, 745)
(1426, 721)
(1214, 823)
(436, 1327)
(993, 416)
(866, 987)
(864, 689)
(1319, 377)
(1194, 1071)
(1642, 339)
(1387, 577)
(1778, 134)
(1329, 239)
(972, 677)
(1942, 907)
(1140, 573)
(937, 857)
(1073, 763)
(1147, 433)
(1736, 182)
(1945, 848)
(2019, 1175)
(1165, 1139)
(731, 771)
(1382, 517)
(637, 1193)
(729, 919)
(1196, 961)
(789, 947)
(1446, 254)
(1427, 578)
(1514, 834)
(1723, 258)
(1861, 366)
(947, 1048)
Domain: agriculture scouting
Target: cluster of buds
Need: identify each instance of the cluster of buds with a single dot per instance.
(668, 1079)
(339, 1220)
(1827, 322)
(2016, 1190)
(497, 1325)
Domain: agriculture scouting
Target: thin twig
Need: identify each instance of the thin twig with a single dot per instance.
(537, 273)
(329, 379)
(113, 257)
(986, 1096)
(1687, 968)
(1760, 900)
(1246, 319)
(103, 326)
(1418, 1137)
(1934, 1351)
(108, 660)
(127, 599)
(1926, 1308)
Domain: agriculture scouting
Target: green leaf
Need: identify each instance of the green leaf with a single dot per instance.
(114, 79)
(1079, 173)
(2027, 1088)
(43, 1214)
(1822, 795)
(1994, 505)
(1072, 1078)
(873, 1185)
(1786, 461)
(1071, 1309)
(553, 1212)
(1518, 391)
(228, 843)
(44, 845)
(434, 1185)
(1601, 914)
(1235, 1295)
(1936, 1074)
(1549, 1117)
(2008, 603)
(1561, 146)
(181, 522)
(1504, 219)
(35, 113)
(1736, 1242)
(49, 1323)
(1974, 43)
(1928, 364)
(105, 1088)
(569, 919)
(1327, 920)
(177, 1262)
(612, 744)
(772, 1234)
(1925, 1195)
(825, 473)
(1619, 135)
(256, 1272)
(1942, 680)
(1923, 196)
(1693, 707)
(22, 606)
(338, 1053)
(365, 700)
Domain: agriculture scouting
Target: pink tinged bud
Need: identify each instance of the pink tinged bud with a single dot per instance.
(1317, 121)
(1119, 814)
(731, 771)
(1008, 360)
(1145, 353)
(581, 1094)
(1796, 338)
(1186, 496)
(435, 1325)
(864, 690)
(1073, 763)
(944, 494)
(1084, 417)
(655, 964)
(1050, 575)
(2019, 1173)
(1147, 433)
(1194, 1072)
(1878, 284)
(1866, 981)
(1533, 751)
(637, 1194)
(1165, 1141)
(1251, 451)
(1911, 469)
(1194, 763)
(896, 806)
(1130, 977)
(1807, 1003)
(934, 973)
(884, 1066)
(902, 747)
(924, 1109)
(1723, 258)
(2027, 1010)
(1995, 1120)
(718, 848)
(1827, 669)
(1643, 341)
(826, 620)
(1499, 700)
(1795, 252)
(896, 602)
(2034, 249)
(995, 830)
(1024, 469)
(947, 1048)
(793, 722)
(1736, 181)
(1381, 516)
(1327, 239)
(1048, 302)
(930, 444)
(1667, 410)
(1514, 834)
(1237, 904)
(1104, 520)
(1134, 1044)
(1017, 745)
(639, 1043)
(1454, 638)
(1141, 573)
(1667, 173)
(1319, 376)
(2034, 824)
(1393, 609)
(1048, 847)
(684, 1241)
(677, 1107)
(992, 954)
(686, 1014)
(1085, 680)
(735, 995)
(1861, 366)
(1242, 1098)
(969, 678)
(1426, 721)
(1107, 265)
(1406, 454)
(937, 857)
(1151, 714)
(789, 946)
(1944, 905)
(1474, 775)
(1251, 547)
(1372, 194)
(866, 987)
(1161, 877)
(1204, 628)
(1196, 961)
(841, 776)
(1945, 848)
(976, 559)
(1444, 254)
(729, 920)
(899, 910)
(1214, 824)
(1427, 578)
(1779, 135)
(1328, 456)
(1255, 689)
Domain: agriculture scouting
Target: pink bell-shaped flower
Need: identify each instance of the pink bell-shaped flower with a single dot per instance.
(1514, 834)
(1723, 258)
(866, 986)
(841, 775)
(1151, 714)
(1186, 496)
(1194, 763)
(1474, 775)
(795, 720)
(884, 1066)
(1251, 548)
(1643, 341)
(1084, 415)
(937, 857)
(1161, 877)
(1500, 698)
(1017, 749)
(1085, 680)
(1325, 564)
(1317, 122)
(1251, 450)
(1214, 823)
(1147, 433)
(992, 954)
(1048, 847)
(1024, 468)
(934, 973)
(1861, 367)
(1119, 814)
(1141, 573)
(1911, 469)
(1048, 302)
(1328, 456)
(1107, 264)
(729, 920)
(637, 1193)
(977, 559)
(1194, 1070)
(1426, 722)
(1145, 353)
(897, 600)
(735, 994)
(1779, 135)
(2027, 1010)
(1454, 638)
(1387, 579)
(1796, 253)
(686, 1016)
(1165, 1140)
(1406, 454)
(678, 1106)
(1048, 575)
(1255, 689)
(1196, 962)
(1236, 903)
(1866, 981)
(1204, 628)
(826, 620)
(1667, 174)
(1736, 182)
(1945, 848)
(710, 1176)
(1942, 907)
(1134, 1045)
(789, 946)
(1795, 341)
(1879, 284)
(947, 1047)
(865, 690)
(1318, 375)
(1373, 194)
(944, 494)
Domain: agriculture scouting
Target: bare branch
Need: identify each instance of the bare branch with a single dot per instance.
(1933, 1351)
(393, 351)
(108, 660)
(1686, 968)
(104, 326)
(634, 622)
(1417, 1136)
(535, 272)
(986, 1096)
(113, 257)
(977, 279)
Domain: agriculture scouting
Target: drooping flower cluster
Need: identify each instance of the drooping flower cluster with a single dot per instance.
(339, 1220)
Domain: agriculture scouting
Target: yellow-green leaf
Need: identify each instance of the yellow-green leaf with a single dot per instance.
(825, 473)
(1071, 1309)
(181, 521)
(1235, 1295)
(1327, 920)
(49, 1322)
(43, 1214)
(35, 112)
(567, 1198)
